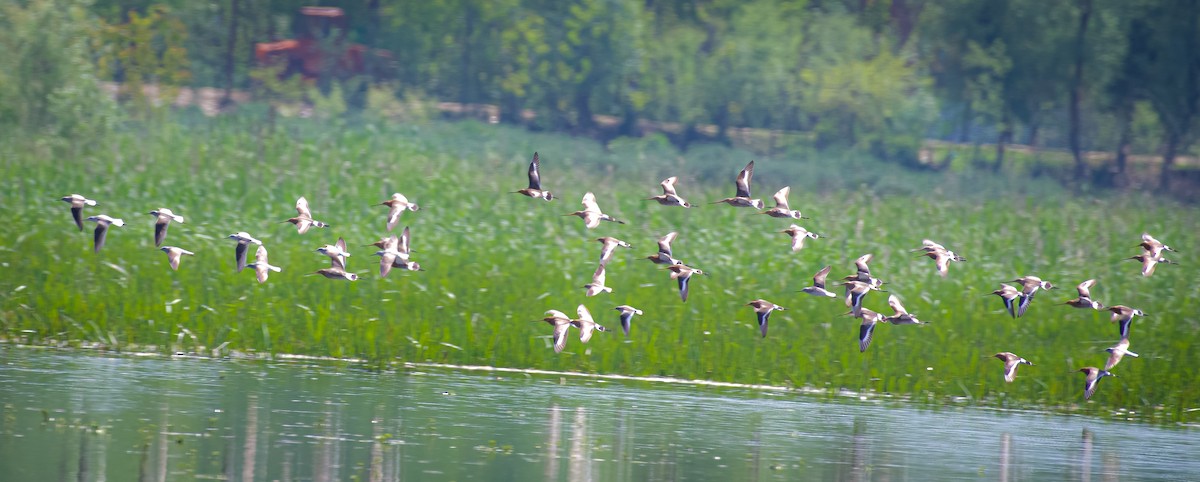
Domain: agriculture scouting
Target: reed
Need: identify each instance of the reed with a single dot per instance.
(494, 261)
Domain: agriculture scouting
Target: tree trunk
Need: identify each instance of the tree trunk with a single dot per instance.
(230, 50)
(1005, 137)
(1168, 161)
(1125, 119)
(964, 132)
(1085, 7)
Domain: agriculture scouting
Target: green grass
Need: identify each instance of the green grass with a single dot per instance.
(497, 260)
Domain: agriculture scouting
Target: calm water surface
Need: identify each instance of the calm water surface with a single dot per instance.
(83, 417)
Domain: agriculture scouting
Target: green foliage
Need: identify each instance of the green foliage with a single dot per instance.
(496, 260)
(48, 85)
(146, 51)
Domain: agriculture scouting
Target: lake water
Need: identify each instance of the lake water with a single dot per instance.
(86, 417)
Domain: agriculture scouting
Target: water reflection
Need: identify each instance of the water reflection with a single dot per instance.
(292, 422)
(579, 464)
(553, 432)
(1005, 455)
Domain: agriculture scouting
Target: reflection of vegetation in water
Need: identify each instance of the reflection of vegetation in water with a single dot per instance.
(494, 261)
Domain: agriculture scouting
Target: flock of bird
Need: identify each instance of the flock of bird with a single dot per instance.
(394, 252)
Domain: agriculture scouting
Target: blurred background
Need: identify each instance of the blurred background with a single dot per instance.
(1090, 93)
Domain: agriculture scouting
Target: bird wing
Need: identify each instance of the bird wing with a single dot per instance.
(173, 257)
(861, 263)
(560, 336)
(781, 198)
(664, 243)
(589, 203)
(584, 314)
(394, 216)
(260, 255)
(894, 302)
(160, 231)
(683, 286)
(239, 254)
(668, 186)
(743, 180)
(535, 179)
(402, 243)
(598, 276)
(1084, 288)
(626, 321)
(943, 262)
(1010, 368)
(302, 208)
(819, 278)
(98, 237)
(866, 332)
(763, 316)
(77, 213)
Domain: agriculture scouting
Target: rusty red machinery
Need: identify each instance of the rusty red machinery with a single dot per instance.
(319, 49)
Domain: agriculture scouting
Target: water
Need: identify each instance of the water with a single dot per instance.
(72, 416)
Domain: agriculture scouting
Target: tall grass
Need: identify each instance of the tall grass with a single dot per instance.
(495, 260)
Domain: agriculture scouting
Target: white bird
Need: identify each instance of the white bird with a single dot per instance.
(337, 252)
(304, 219)
(597, 285)
(627, 313)
(163, 219)
(174, 254)
(102, 223)
(77, 203)
(261, 266)
(397, 204)
(244, 240)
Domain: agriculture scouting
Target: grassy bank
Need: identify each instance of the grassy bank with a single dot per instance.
(496, 260)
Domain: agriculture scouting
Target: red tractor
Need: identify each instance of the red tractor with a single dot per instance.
(321, 48)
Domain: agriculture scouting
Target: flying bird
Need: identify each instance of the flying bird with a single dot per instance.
(855, 292)
(799, 234)
(1085, 297)
(1117, 352)
(1093, 377)
(669, 197)
(781, 209)
(940, 255)
(591, 214)
(1152, 246)
(663, 256)
(585, 324)
(397, 205)
(163, 219)
(77, 203)
(627, 313)
(901, 316)
(304, 219)
(561, 323)
(763, 309)
(597, 285)
(244, 240)
(1011, 362)
(1124, 315)
(818, 286)
(1009, 294)
(174, 254)
(683, 274)
(1029, 287)
(742, 197)
(261, 266)
(1149, 261)
(102, 223)
(535, 182)
(610, 244)
(866, 329)
(337, 253)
